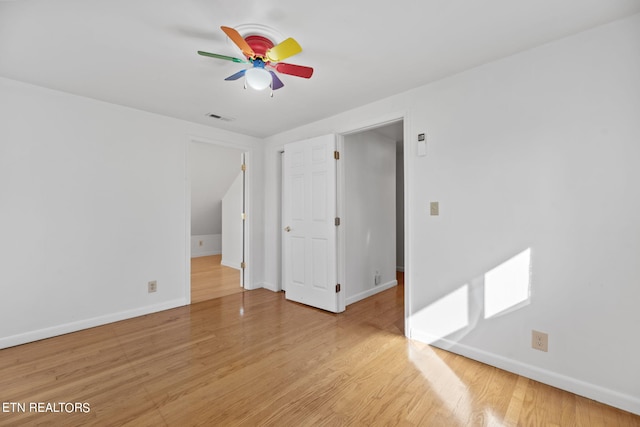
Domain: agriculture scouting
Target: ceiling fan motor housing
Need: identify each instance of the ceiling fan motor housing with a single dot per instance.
(259, 44)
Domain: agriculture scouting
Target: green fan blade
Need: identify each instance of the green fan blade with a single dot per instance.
(225, 57)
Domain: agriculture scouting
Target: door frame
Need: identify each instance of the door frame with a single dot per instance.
(341, 199)
(246, 276)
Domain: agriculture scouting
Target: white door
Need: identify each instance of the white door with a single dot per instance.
(309, 211)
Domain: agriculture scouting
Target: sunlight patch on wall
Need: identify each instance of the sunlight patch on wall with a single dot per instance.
(508, 286)
(446, 315)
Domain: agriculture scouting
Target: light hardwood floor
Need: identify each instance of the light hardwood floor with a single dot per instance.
(210, 279)
(256, 359)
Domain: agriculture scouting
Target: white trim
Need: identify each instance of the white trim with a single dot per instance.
(205, 253)
(341, 245)
(592, 391)
(225, 263)
(281, 271)
(248, 248)
(88, 323)
(370, 124)
(255, 285)
(270, 287)
(371, 292)
(408, 225)
(187, 225)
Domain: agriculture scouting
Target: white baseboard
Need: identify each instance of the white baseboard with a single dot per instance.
(370, 292)
(87, 323)
(206, 245)
(231, 264)
(592, 391)
(204, 253)
(270, 286)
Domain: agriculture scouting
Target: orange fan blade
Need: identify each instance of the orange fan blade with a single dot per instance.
(239, 41)
(283, 50)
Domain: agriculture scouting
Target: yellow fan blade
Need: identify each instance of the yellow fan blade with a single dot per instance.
(239, 41)
(284, 50)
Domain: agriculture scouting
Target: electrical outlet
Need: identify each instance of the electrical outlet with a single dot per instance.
(434, 208)
(200, 243)
(152, 286)
(376, 278)
(539, 341)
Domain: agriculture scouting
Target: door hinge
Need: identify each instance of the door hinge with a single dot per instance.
(337, 288)
(336, 155)
(243, 264)
(337, 221)
(243, 216)
(243, 167)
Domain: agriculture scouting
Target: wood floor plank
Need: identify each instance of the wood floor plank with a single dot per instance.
(516, 402)
(254, 358)
(210, 279)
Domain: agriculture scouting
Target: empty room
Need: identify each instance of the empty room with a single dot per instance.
(338, 213)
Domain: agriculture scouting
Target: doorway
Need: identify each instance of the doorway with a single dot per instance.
(371, 205)
(359, 273)
(216, 186)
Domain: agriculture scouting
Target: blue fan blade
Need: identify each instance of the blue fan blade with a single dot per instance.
(276, 82)
(237, 75)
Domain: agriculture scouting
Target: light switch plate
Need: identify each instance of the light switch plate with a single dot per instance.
(422, 148)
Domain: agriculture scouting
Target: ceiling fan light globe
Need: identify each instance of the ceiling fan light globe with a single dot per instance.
(258, 78)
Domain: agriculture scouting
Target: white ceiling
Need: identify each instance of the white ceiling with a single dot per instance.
(142, 53)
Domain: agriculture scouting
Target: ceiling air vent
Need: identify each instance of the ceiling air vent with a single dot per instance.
(219, 117)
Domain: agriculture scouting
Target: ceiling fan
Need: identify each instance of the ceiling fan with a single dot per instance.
(264, 58)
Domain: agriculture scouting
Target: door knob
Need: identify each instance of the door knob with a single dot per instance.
(287, 229)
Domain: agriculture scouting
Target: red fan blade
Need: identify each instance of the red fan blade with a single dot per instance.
(293, 70)
(239, 41)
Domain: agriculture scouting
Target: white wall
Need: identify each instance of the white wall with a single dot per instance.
(369, 218)
(232, 224)
(536, 153)
(213, 168)
(206, 245)
(93, 205)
